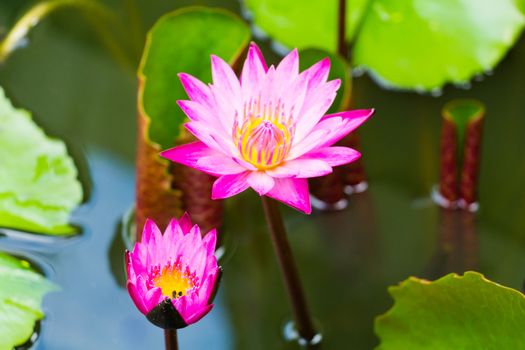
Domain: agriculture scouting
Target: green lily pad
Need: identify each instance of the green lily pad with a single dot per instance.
(38, 180)
(454, 312)
(182, 41)
(409, 44)
(424, 44)
(303, 24)
(339, 69)
(21, 293)
(11, 41)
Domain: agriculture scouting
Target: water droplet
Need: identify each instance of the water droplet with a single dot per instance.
(358, 188)
(358, 71)
(258, 32)
(279, 48)
(290, 333)
(436, 92)
(438, 198)
(466, 85)
(21, 43)
(326, 206)
(479, 77)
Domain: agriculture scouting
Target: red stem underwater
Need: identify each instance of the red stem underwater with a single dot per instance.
(448, 187)
(471, 160)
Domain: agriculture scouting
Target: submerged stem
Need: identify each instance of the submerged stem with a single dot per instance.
(170, 338)
(288, 268)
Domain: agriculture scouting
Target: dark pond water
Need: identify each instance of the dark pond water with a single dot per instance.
(347, 259)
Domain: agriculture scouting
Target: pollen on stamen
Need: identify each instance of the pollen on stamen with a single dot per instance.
(263, 134)
(174, 280)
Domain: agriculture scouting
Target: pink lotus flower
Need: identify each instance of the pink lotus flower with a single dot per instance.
(267, 131)
(172, 278)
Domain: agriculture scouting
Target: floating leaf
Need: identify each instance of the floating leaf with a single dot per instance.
(21, 293)
(408, 44)
(339, 69)
(454, 312)
(41, 10)
(303, 24)
(38, 180)
(424, 44)
(181, 41)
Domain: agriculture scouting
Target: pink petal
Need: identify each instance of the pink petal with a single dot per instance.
(293, 192)
(289, 66)
(185, 222)
(219, 165)
(351, 121)
(196, 89)
(318, 73)
(317, 101)
(305, 168)
(260, 182)
(213, 136)
(226, 106)
(199, 156)
(196, 111)
(334, 156)
(294, 96)
(259, 55)
(150, 233)
(153, 297)
(137, 298)
(197, 315)
(282, 171)
(253, 71)
(209, 241)
(229, 185)
(330, 129)
(224, 78)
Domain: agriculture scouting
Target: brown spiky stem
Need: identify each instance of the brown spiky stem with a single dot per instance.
(353, 173)
(460, 153)
(155, 197)
(196, 195)
(165, 190)
(327, 189)
(471, 162)
(447, 184)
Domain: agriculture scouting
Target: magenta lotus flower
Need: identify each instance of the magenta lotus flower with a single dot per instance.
(172, 278)
(267, 131)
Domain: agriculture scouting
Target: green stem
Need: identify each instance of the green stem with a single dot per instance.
(289, 271)
(342, 48)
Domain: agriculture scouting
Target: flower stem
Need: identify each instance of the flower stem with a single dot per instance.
(354, 173)
(170, 338)
(342, 49)
(288, 268)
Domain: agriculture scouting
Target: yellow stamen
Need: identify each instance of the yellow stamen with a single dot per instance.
(173, 282)
(263, 136)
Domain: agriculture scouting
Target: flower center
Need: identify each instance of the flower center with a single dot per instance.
(173, 280)
(263, 136)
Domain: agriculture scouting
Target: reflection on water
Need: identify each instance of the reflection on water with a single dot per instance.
(457, 246)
